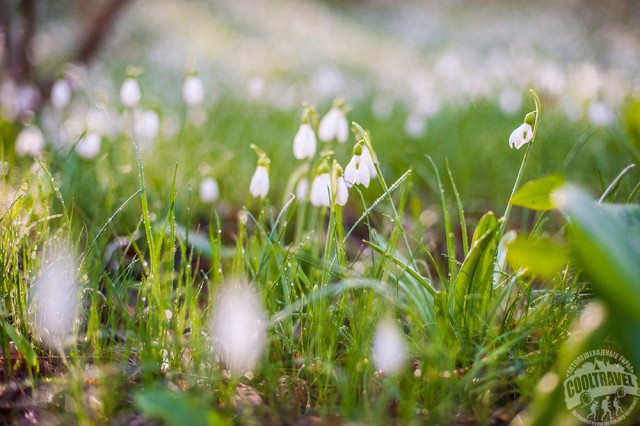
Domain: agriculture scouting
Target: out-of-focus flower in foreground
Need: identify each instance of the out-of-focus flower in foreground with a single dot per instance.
(389, 352)
(238, 330)
(54, 299)
(30, 141)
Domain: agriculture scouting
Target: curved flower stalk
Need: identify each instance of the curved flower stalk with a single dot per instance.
(259, 185)
(524, 134)
(334, 124)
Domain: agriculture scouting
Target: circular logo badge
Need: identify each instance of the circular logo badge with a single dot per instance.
(601, 387)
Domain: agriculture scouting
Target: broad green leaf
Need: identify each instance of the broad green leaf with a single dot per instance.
(541, 258)
(606, 238)
(22, 344)
(536, 194)
(178, 410)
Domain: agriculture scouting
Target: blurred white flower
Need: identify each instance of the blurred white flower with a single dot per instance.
(256, 88)
(130, 92)
(382, 107)
(259, 186)
(89, 145)
(389, 352)
(60, 94)
(30, 141)
(304, 143)
(356, 172)
(193, 90)
(600, 114)
(368, 161)
(209, 191)
(302, 189)
(521, 136)
(321, 190)
(342, 192)
(146, 126)
(238, 330)
(54, 299)
(415, 125)
(334, 125)
(510, 101)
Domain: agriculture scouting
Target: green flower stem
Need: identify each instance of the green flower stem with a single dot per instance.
(523, 164)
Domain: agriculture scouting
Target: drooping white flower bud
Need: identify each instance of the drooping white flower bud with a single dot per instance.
(334, 125)
(321, 190)
(304, 143)
(130, 92)
(193, 90)
(357, 172)
(389, 352)
(30, 141)
(342, 192)
(54, 299)
(259, 186)
(209, 190)
(88, 146)
(521, 136)
(238, 330)
(60, 94)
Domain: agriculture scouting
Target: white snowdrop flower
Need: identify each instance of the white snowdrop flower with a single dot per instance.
(321, 190)
(342, 192)
(146, 127)
(302, 189)
(521, 136)
(130, 92)
(304, 143)
(209, 191)
(389, 352)
(600, 114)
(88, 146)
(356, 172)
(334, 125)
(60, 94)
(259, 186)
(30, 141)
(54, 299)
(368, 161)
(238, 330)
(193, 90)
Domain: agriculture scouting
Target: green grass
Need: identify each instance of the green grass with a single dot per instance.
(479, 336)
